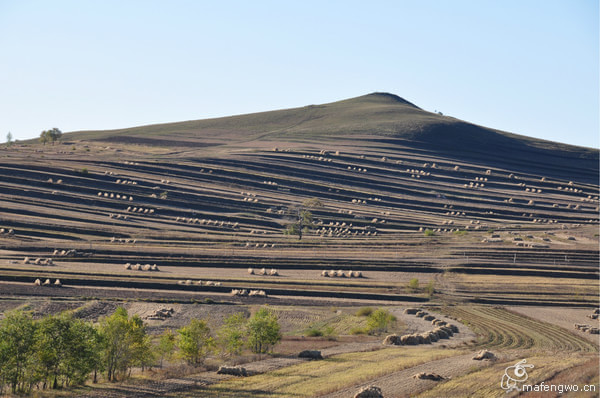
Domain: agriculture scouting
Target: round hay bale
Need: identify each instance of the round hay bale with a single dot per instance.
(441, 334)
(420, 314)
(154, 268)
(26, 260)
(57, 283)
(453, 327)
(409, 339)
(37, 282)
(251, 271)
(484, 354)
(429, 376)
(429, 317)
(424, 338)
(433, 337)
(411, 311)
(47, 282)
(262, 271)
(325, 273)
(392, 339)
(147, 267)
(274, 272)
(348, 274)
(232, 370)
(369, 392)
(127, 266)
(310, 354)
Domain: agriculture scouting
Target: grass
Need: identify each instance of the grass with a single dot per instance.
(486, 382)
(315, 378)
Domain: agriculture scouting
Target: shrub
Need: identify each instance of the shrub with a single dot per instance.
(357, 330)
(413, 284)
(429, 232)
(379, 321)
(430, 288)
(314, 332)
(364, 311)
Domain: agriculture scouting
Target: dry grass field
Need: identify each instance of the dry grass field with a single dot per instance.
(499, 230)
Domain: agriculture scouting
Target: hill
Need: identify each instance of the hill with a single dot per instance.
(373, 119)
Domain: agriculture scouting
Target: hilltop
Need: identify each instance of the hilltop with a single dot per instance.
(376, 119)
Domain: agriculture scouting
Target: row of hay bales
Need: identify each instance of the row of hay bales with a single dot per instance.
(59, 181)
(47, 282)
(125, 241)
(8, 231)
(341, 274)
(112, 195)
(117, 216)
(38, 261)
(257, 245)
(595, 314)
(140, 267)
(442, 330)
(250, 293)
(587, 328)
(263, 271)
(189, 282)
(135, 209)
(64, 253)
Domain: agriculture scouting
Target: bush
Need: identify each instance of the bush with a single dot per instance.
(314, 332)
(379, 321)
(413, 284)
(84, 170)
(430, 288)
(364, 311)
(429, 232)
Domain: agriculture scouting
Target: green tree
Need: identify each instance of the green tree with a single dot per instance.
(263, 331)
(379, 321)
(51, 135)
(231, 336)
(17, 366)
(124, 343)
(9, 139)
(166, 346)
(195, 342)
(302, 224)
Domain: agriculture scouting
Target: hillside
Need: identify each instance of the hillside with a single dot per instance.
(373, 119)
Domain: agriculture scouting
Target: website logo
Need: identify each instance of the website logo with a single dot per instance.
(515, 375)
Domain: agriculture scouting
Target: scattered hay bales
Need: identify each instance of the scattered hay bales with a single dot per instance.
(429, 376)
(232, 370)
(484, 354)
(411, 311)
(369, 392)
(310, 354)
(392, 339)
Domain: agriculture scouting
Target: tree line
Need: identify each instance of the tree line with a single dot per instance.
(59, 351)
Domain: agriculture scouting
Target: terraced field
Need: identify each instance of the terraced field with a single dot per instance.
(499, 328)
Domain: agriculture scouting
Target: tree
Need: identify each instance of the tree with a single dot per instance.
(124, 342)
(166, 346)
(195, 342)
(302, 224)
(231, 336)
(17, 332)
(379, 321)
(9, 139)
(413, 284)
(51, 135)
(263, 331)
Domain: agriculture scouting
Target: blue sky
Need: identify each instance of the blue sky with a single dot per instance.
(529, 67)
